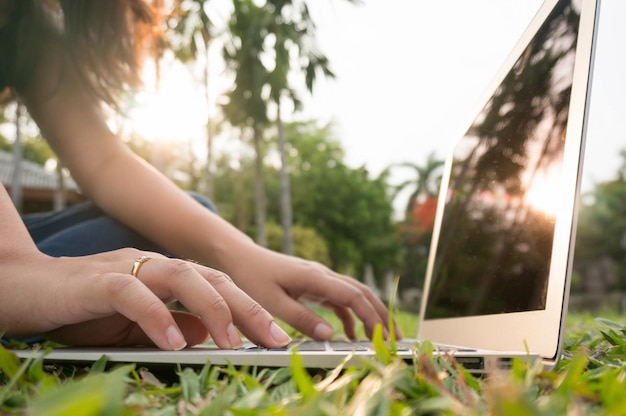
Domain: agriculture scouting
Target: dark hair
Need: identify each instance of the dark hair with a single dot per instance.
(104, 39)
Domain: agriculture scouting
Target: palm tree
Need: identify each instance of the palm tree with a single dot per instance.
(293, 30)
(425, 182)
(246, 107)
(419, 214)
(253, 28)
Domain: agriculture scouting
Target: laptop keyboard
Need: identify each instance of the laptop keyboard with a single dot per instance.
(346, 346)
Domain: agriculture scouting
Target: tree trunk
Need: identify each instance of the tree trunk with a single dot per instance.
(208, 173)
(286, 214)
(259, 189)
(59, 193)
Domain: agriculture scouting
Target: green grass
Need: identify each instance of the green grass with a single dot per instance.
(590, 380)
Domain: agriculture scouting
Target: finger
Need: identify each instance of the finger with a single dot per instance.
(190, 325)
(375, 301)
(205, 291)
(248, 315)
(347, 294)
(302, 318)
(378, 305)
(121, 293)
(346, 317)
(179, 279)
(344, 314)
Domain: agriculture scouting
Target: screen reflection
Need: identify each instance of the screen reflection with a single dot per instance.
(494, 247)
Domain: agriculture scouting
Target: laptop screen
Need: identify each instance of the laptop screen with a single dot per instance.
(495, 241)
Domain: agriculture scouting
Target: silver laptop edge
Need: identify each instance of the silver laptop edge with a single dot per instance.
(541, 331)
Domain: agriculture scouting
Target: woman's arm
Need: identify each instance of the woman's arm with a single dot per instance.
(94, 300)
(118, 181)
(137, 195)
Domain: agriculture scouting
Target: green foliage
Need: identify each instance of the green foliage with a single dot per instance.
(30, 385)
(34, 149)
(602, 224)
(248, 27)
(5, 145)
(190, 28)
(96, 394)
(348, 209)
(415, 231)
(351, 210)
(308, 244)
(590, 379)
(37, 150)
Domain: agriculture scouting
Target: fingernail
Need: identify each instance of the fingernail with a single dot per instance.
(323, 332)
(279, 335)
(233, 337)
(175, 338)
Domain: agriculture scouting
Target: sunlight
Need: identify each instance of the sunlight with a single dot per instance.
(544, 193)
(176, 112)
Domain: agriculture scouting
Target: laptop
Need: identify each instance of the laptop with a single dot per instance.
(499, 267)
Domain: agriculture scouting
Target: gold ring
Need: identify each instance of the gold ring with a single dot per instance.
(138, 263)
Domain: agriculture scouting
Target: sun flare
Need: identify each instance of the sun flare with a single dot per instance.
(544, 193)
(176, 111)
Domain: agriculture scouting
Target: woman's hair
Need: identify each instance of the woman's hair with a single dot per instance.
(104, 39)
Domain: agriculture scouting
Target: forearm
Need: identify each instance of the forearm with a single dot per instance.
(140, 197)
(69, 296)
(120, 183)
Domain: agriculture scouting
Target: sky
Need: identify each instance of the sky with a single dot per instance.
(410, 74)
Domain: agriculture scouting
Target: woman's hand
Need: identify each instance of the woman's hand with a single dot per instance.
(98, 295)
(280, 283)
(94, 300)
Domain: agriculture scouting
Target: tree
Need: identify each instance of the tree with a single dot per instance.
(246, 107)
(351, 210)
(415, 231)
(348, 209)
(233, 179)
(602, 225)
(425, 183)
(293, 33)
(308, 244)
(264, 36)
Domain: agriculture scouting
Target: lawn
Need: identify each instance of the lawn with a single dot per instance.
(591, 379)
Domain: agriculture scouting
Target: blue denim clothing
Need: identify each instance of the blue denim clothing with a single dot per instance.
(84, 229)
